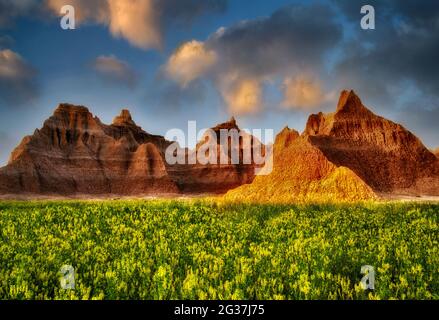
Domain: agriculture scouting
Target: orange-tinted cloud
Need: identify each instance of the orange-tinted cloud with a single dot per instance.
(140, 22)
(242, 95)
(302, 92)
(254, 53)
(189, 62)
(85, 10)
(135, 21)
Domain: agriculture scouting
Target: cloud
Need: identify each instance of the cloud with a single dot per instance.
(165, 96)
(135, 21)
(12, 66)
(189, 62)
(6, 41)
(185, 11)
(96, 11)
(243, 96)
(254, 53)
(408, 32)
(110, 68)
(289, 39)
(395, 66)
(140, 22)
(12, 9)
(291, 44)
(17, 85)
(302, 92)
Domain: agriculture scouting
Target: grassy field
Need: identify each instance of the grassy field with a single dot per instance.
(203, 250)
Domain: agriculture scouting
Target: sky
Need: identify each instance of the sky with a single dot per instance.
(268, 63)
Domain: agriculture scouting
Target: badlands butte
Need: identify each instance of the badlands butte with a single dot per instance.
(349, 155)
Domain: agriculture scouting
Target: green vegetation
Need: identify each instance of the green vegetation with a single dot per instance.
(204, 250)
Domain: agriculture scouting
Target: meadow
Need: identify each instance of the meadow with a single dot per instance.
(207, 250)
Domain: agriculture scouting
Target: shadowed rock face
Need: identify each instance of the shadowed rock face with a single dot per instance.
(75, 153)
(384, 154)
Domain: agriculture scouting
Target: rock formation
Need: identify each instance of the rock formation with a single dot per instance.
(384, 154)
(302, 173)
(351, 154)
(75, 153)
(218, 178)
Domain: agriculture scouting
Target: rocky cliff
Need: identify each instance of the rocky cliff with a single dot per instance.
(384, 154)
(351, 154)
(219, 177)
(75, 153)
(302, 173)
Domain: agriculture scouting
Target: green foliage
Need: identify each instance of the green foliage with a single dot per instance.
(205, 250)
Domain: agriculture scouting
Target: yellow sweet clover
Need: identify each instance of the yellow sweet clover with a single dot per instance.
(210, 250)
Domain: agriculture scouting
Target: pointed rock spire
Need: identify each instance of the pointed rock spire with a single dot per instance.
(124, 118)
(231, 124)
(349, 102)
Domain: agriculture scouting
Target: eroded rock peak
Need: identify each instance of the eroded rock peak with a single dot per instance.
(124, 118)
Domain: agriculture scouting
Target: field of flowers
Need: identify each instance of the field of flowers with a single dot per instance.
(205, 250)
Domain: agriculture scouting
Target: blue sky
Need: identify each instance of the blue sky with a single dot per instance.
(258, 51)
